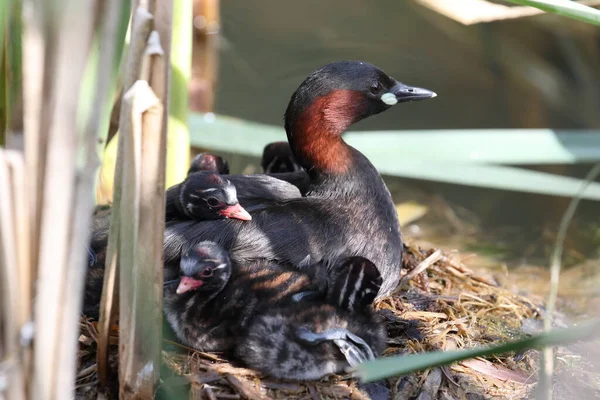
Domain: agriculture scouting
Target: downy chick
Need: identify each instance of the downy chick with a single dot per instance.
(274, 318)
(209, 163)
(204, 196)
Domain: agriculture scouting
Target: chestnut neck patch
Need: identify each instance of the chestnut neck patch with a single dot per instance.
(316, 134)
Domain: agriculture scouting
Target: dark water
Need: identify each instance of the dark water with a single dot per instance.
(541, 72)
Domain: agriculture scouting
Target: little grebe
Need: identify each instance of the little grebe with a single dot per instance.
(347, 209)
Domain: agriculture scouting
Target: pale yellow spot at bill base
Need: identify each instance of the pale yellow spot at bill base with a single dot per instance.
(389, 98)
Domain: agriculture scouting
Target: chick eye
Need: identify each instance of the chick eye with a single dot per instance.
(207, 273)
(213, 202)
(376, 88)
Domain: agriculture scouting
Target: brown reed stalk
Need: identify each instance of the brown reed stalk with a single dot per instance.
(69, 31)
(35, 141)
(140, 314)
(137, 222)
(143, 213)
(141, 27)
(15, 304)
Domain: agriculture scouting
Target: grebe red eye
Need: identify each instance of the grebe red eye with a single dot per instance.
(213, 202)
(376, 88)
(206, 272)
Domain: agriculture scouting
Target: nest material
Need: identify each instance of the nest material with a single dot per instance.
(439, 305)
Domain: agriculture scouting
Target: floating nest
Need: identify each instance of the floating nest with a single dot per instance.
(440, 304)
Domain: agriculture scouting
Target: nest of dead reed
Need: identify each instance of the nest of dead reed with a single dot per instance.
(439, 305)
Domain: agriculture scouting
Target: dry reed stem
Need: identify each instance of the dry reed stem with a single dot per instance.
(57, 299)
(35, 140)
(160, 71)
(428, 262)
(12, 314)
(142, 289)
(84, 188)
(160, 81)
(149, 257)
(14, 270)
(141, 27)
(141, 266)
(129, 224)
(22, 219)
(139, 364)
(244, 388)
(110, 20)
(205, 65)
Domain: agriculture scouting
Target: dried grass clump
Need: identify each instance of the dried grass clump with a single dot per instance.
(439, 305)
(449, 307)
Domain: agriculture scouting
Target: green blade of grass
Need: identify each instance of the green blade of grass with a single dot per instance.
(3, 91)
(14, 78)
(6, 8)
(567, 8)
(547, 359)
(10, 70)
(461, 157)
(482, 146)
(392, 366)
